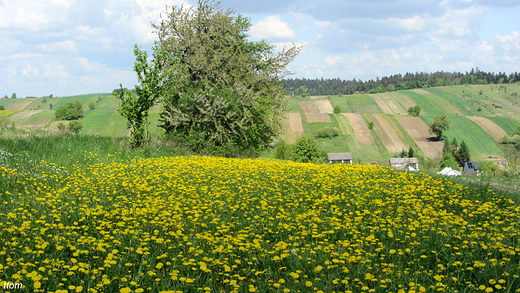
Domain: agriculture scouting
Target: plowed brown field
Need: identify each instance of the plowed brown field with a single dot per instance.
(293, 127)
(308, 107)
(382, 104)
(317, 117)
(388, 134)
(361, 131)
(324, 106)
(419, 132)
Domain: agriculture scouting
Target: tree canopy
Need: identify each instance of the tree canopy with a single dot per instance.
(439, 125)
(227, 92)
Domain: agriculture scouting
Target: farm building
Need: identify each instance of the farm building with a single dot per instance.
(409, 164)
(448, 171)
(343, 158)
(471, 168)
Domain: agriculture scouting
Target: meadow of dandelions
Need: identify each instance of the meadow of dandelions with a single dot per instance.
(204, 224)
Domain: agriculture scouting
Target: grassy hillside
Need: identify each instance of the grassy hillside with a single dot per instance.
(387, 111)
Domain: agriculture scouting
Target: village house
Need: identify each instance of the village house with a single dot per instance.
(409, 164)
(471, 168)
(343, 158)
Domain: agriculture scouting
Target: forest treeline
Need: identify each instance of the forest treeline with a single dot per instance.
(336, 86)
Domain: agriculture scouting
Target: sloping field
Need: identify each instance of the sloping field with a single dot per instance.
(382, 104)
(430, 103)
(19, 104)
(363, 104)
(479, 142)
(324, 106)
(398, 102)
(509, 125)
(40, 119)
(20, 118)
(489, 126)
(308, 107)
(418, 130)
(361, 131)
(317, 117)
(386, 131)
(292, 127)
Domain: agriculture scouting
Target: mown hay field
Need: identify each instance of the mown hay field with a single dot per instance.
(204, 224)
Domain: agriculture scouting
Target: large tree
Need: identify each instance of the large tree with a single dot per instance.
(227, 91)
(439, 125)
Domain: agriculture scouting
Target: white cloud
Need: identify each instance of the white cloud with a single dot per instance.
(272, 27)
(63, 46)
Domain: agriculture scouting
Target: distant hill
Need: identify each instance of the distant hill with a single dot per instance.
(481, 116)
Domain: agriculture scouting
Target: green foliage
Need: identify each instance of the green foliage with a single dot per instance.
(414, 111)
(227, 89)
(92, 105)
(283, 151)
(2, 107)
(370, 125)
(328, 132)
(449, 161)
(462, 154)
(306, 150)
(411, 152)
(75, 127)
(489, 168)
(61, 127)
(337, 109)
(13, 96)
(439, 125)
(71, 111)
(136, 104)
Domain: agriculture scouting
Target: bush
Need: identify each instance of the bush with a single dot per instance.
(2, 107)
(306, 150)
(328, 132)
(337, 109)
(71, 111)
(283, 151)
(61, 127)
(75, 127)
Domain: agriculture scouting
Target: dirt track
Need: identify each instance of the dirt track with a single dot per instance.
(361, 131)
(387, 133)
(490, 127)
(419, 132)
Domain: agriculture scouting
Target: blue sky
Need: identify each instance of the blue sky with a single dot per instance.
(70, 47)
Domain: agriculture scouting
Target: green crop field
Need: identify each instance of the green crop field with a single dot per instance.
(479, 142)
(428, 103)
(362, 104)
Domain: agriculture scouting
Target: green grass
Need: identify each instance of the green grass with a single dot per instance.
(429, 105)
(362, 104)
(463, 106)
(479, 142)
(509, 125)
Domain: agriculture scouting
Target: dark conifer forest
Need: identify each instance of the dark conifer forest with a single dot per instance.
(336, 86)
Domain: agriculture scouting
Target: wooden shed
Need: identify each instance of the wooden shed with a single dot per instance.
(343, 158)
